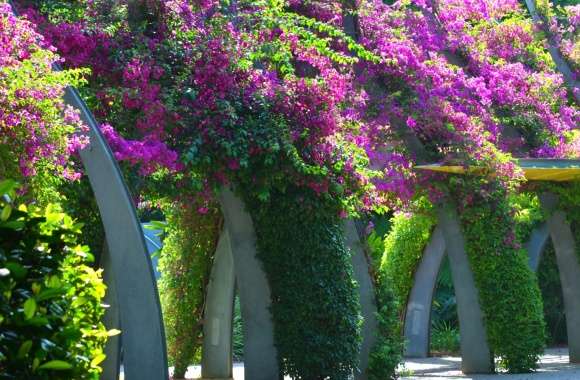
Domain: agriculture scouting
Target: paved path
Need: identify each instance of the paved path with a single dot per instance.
(553, 366)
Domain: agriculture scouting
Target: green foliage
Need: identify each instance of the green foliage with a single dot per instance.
(444, 338)
(404, 246)
(395, 263)
(549, 279)
(185, 265)
(238, 332)
(444, 308)
(315, 305)
(528, 214)
(388, 350)
(508, 290)
(50, 300)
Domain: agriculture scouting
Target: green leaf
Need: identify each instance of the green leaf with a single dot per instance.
(56, 365)
(113, 332)
(24, 349)
(29, 308)
(7, 186)
(50, 293)
(98, 360)
(6, 211)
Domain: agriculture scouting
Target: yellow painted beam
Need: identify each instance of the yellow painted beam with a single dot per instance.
(556, 174)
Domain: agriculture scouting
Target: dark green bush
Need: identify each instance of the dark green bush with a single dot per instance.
(185, 265)
(315, 305)
(50, 299)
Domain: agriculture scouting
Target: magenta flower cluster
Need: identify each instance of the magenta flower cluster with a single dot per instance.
(37, 129)
(472, 80)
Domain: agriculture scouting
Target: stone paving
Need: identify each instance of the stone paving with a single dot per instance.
(554, 365)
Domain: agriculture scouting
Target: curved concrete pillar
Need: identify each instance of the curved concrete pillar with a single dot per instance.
(216, 359)
(260, 356)
(139, 309)
(363, 277)
(569, 268)
(417, 325)
(475, 352)
(536, 245)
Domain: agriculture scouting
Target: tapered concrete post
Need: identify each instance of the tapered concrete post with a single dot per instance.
(216, 359)
(569, 268)
(536, 245)
(418, 313)
(366, 292)
(475, 352)
(260, 357)
(144, 354)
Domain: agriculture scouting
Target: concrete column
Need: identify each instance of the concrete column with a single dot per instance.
(144, 354)
(418, 314)
(260, 356)
(569, 268)
(536, 245)
(475, 352)
(362, 275)
(216, 360)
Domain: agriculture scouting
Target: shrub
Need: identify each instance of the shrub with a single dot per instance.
(50, 299)
(444, 338)
(185, 265)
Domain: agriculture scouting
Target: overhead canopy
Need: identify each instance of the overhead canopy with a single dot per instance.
(534, 169)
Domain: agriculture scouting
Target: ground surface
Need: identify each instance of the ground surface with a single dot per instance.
(553, 366)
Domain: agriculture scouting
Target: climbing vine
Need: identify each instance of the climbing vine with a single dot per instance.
(513, 315)
(304, 254)
(185, 264)
(404, 248)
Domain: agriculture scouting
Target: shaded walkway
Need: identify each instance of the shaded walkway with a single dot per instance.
(554, 365)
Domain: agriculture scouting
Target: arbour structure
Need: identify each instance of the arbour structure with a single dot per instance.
(135, 305)
(133, 298)
(131, 281)
(236, 263)
(418, 308)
